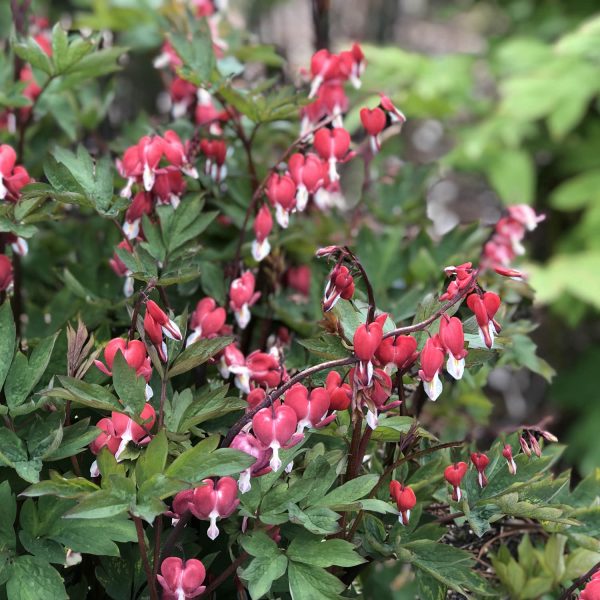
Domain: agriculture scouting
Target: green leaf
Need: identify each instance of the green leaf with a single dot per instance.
(326, 346)
(93, 177)
(450, 566)
(88, 394)
(198, 353)
(196, 54)
(154, 459)
(320, 521)
(258, 543)
(24, 374)
(60, 486)
(130, 388)
(116, 498)
(187, 222)
(577, 192)
(30, 51)
(7, 340)
(12, 448)
(308, 582)
(8, 514)
(355, 489)
(554, 556)
(324, 553)
(262, 572)
(75, 439)
(34, 579)
(512, 175)
(196, 464)
(209, 405)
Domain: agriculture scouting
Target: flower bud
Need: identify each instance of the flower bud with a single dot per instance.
(453, 475)
(405, 500)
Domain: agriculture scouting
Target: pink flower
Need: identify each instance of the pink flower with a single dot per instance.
(333, 146)
(339, 285)
(310, 408)
(12, 178)
(373, 120)
(298, 278)
(592, 589)
(6, 272)
(181, 580)
(215, 152)
(340, 394)
(108, 438)
(507, 454)
(241, 297)
(247, 443)
(405, 500)
(367, 338)
(453, 475)
(400, 350)
(275, 428)
(281, 191)
(134, 353)
(452, 338)
(264, 369)
(485, 307)
(168, 326)
(263, 224)
(394, 114)
(211, 502)
(432, 359)
(480, 461)
(207, 320)
(307, 173)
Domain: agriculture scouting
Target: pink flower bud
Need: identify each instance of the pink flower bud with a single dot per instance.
(134, 353)
(339, 285)
(181, 580)
(395, 115)
(452, 337)
(155, 334)
(507, 453)
(485, 307)
(212, 502)
(480, 461)
(453, 475)
(405, 500)
(169, 327)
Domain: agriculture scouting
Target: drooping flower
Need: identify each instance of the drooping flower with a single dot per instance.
(432, 359)
(181, 580)
(310, 408)
(508, 455)
(263, 224)
(480, 462)
(333, 146)
(340, 394)
(367, 338)
(211, 502)
(307, 173)
(207, 320)
(373, 120)
(452, 338)
(453, 475)
(247, 443)
(242, 296)
(281, 192)
(485, 307)
(405, 499)
(339, 285)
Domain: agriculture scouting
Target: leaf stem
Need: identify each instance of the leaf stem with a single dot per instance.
(144, 556)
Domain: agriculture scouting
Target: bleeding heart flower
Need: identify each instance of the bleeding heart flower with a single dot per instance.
(281, 192)
(373, 120)
(247, 443)
(274, 427)
(310, 408)
(108, 438)
(169, 327)
(263, 224)
(154, 333)
(307, 173)
(242, 296)
(340, 394)
(400, 351)
(480, 461)
(12, 178)
(367, 338)
(332, 145)
(212, 502)
(181, 580)
(129, 431)
(452, 338)
(512, 465)
(405, 500)
(485, 307)
(207, 320)
(134, 353)
(323, 65)
(453, 475)
(264, 369)
(339, 285)
(432, 359)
